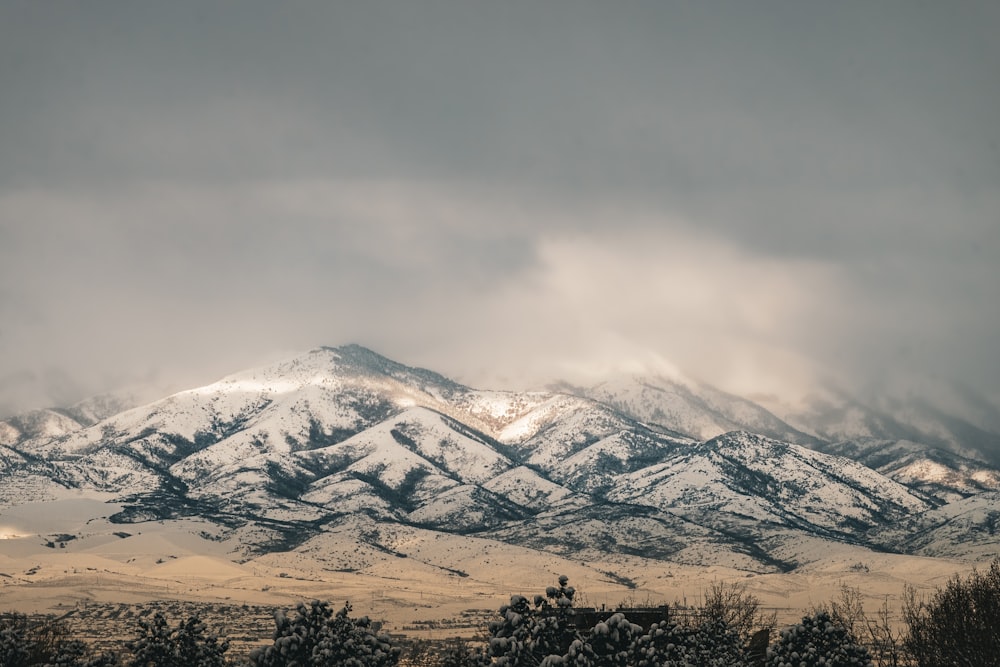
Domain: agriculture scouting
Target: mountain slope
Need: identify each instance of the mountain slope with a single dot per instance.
(743, 478)
(328, 444)
(689, 407)
(967, 528)
(940, 474)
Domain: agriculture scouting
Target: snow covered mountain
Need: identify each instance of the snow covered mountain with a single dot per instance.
(55, 422)
(689, 407)
(339, 440)
(939, 473)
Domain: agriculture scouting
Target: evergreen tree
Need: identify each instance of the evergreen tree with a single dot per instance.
(608, 644)
(188, 645)
(669, 644)
(315, 636)
(528, 633)
(817, 640)
(544, 634)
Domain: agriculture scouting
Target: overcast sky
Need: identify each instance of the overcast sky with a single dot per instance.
(764, 194)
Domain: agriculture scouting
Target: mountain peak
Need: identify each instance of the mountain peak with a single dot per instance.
(297, 448)
(361, 359)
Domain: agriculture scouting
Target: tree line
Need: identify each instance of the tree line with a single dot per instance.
(958, 624)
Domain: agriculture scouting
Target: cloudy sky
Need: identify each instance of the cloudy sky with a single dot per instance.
(764, 194)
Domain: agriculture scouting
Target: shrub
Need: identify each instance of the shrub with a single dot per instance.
(75, 653)
(608, 644)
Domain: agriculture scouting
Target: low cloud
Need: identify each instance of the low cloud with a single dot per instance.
(763, 197)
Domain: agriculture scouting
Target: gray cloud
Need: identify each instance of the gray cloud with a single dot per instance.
(505, 192)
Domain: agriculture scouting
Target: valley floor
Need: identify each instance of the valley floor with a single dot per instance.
(168, 562)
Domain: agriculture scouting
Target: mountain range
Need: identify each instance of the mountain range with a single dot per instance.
(341, 445)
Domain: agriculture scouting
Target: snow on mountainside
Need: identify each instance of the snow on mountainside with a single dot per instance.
(326, 445)
(968, 528)
(936, 472)
(268, 444)
(582, 443)
(36, 424)
(689, 407)
(55, 422)
(10, 458)
(749, 476)
(948, 445)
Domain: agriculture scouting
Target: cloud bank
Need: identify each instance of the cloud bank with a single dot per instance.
(766, 197)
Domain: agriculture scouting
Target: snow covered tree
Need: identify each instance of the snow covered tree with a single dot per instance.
(528, 633)
(607, 644)
(817, 640)
(544, 634)
(315, 636)
(669, 644)
(187, 645)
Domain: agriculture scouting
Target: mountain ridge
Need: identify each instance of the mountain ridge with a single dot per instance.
(277, 456)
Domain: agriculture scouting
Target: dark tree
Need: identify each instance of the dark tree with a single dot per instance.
(26, 642)
(187, 645)
(16, 645)
(75, 653)
(459, 653)
(959, 625)
(737, 609)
